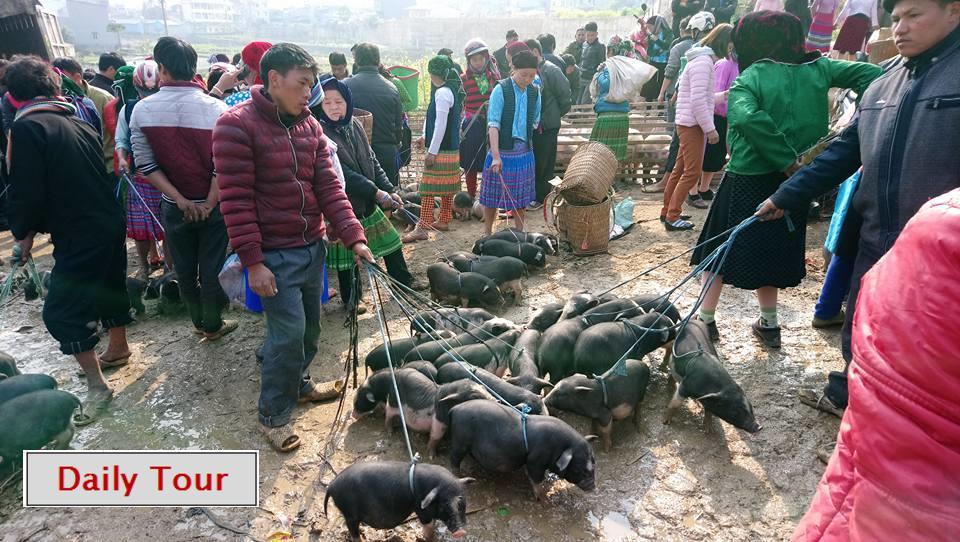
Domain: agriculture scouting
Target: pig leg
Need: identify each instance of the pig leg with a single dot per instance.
(353, 526)
(667, 358)
(675, 404)
(605, 431)
(707, 422)
(457, 452)
(464, 302)
(429, 532)
(539, 489)
(636, 417)
(500, 371)
(436, 433)
(389, 420)
(62, 441)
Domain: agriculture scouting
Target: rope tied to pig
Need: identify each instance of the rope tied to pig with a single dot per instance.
(603, 388)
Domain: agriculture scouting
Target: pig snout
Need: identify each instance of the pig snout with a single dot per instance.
(459, 533)
(587, 485)
(753, 427)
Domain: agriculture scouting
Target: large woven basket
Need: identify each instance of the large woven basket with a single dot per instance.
(366, 119)
(585, 227)
(590, 175)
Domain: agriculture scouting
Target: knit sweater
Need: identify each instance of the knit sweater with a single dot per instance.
(695, 100)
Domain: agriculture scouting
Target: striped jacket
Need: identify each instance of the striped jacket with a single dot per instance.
(172, 131)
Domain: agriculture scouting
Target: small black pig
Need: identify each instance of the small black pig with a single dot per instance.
(505, 271)
(548, 243)
(604, 399)
(514, 395)
(555, 354)
(492, 354)
(18, 385)
(494, 436)
(135, 291)
(463, 206)
(455, 319)
(450, 395)
(529, 253)
(430, 351)
(599, 347)
(548, 315)
(695, 366)
(417, 392)
(8, 366)
(523, 363)
(657, 303)
(448, 284)
(376, 359)
(35, 419)
(425, 368)
(380, 494)
(578, 304)
(618, 309)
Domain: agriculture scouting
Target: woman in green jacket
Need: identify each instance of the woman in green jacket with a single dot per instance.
(778, 109)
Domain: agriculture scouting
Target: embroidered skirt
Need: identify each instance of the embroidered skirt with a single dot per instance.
(382, 238)
(443, 177)
(515, 186)
(141, 226)
(612, 129)
(821, 32)
(473, 146)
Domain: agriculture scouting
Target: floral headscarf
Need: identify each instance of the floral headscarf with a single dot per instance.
(442, 65)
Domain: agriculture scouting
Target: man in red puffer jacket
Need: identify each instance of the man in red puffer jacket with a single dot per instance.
(276, 184)
(895, 473)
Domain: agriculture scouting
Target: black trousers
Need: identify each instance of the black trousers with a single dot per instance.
(388, 156)
(396, 268)
(545, 153)
(198, 250)
(87, 285)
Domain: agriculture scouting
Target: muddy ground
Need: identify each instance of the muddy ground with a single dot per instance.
(665, 483)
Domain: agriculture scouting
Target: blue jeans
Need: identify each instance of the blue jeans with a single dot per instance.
(836, 285)
(293, 329)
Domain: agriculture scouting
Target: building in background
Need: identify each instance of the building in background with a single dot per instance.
(86, 21)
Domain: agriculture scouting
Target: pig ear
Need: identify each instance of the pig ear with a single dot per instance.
(371, 397)
(543, 382)
(564, 461)
(467, 481)
(429, 498)
(583, 390)
(591, 438)
(485, 289)
(714, 395)
(450, 397)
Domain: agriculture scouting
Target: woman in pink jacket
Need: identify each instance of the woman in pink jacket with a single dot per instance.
(894, 473)
(694, 123)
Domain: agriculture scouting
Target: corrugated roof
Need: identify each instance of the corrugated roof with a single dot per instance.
(18, 7)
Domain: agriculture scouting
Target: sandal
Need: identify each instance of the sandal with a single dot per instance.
(113, 363)
(327, 391)
(414, 236)
(93, 407)
(281, 439)
(820, 402)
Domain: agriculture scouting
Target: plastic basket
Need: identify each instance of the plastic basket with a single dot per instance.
(410, 78)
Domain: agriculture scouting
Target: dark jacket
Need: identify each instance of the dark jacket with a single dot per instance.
(593, 55)
(555, 60)
(500, 57)
(680, 12)
(57, 181)
(374, 93)
(906, 138)
(276, 181)
(576, 49)
(361, 170)
(574, 79)
(556, 99)
(722, 9)
(102, 82)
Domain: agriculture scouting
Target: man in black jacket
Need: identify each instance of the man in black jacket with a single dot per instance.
(58, 186)
(555, 102)
(594, 54)
(500, 55)
(374, 93)
(906, 140)
(723, 10)
(548, 45)
(575, 47)
(108, 66)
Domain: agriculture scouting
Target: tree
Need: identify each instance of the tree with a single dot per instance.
(116, 28)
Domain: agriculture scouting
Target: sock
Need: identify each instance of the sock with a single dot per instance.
(708, 317)
(768, 317)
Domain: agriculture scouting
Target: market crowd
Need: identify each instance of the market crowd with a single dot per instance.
(266, 157)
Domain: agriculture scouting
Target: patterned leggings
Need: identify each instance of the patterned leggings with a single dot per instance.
(426, 210)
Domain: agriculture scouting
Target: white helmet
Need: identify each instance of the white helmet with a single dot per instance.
(702, 21)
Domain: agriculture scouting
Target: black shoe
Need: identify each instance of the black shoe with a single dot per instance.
(697, 201)
(678, 225)
(707, 196)
(769, 336)
(663, 219)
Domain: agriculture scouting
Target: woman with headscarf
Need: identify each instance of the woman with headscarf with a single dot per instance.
(767, 137)
(366, 185)
(441, 167)
(245, 77)
(143, 200)
(509, 171)
(478, 82)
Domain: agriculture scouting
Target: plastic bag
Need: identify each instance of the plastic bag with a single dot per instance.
(627, 77)
(233, 282)
(623, 213)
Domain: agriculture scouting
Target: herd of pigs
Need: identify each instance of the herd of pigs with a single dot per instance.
(460, 366)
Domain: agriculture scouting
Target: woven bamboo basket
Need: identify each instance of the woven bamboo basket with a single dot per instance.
(589, 175)
(366, 119)
(585, 227)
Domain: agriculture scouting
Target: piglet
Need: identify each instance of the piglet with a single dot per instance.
(523, 363)
(425, 368)
(548, 243)
(18, 385)
(492, 354)
(463, 206)
(618, 309)
(601, 346)
(510, 393)
(603, 399)
(448, 284)
(430, 351)
(8, 366)
(578, 303)
(555, 354)
(417, 393)
(529, 253)
(382, 494)
(33, 420)
(450, 395)
(455, 319)
(695, 366)
(494, 436)
(548, 315)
